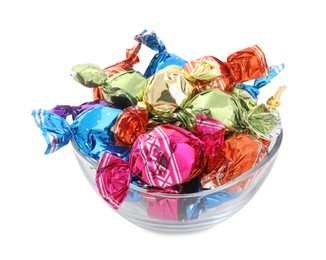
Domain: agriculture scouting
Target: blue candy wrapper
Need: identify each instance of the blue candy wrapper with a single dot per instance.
(261, 82)
(195, 207)
(73, 111)
(161, 59)
(90, 131)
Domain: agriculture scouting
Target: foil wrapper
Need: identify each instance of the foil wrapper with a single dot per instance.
(54, 128)
(112, 179)
(244, 65)
(216, 104)
(261, 82)
(211, 132)
(228, 109)
(130, 124)
(73, 111)
(241, 152)
(125, 65)
(124, 89)
(167, 155)
(161, 59)
(167, 90)
(90, 131)
(89, 75)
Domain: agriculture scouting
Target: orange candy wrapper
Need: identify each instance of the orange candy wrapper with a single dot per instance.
(122, 66)
(241, 66)
(239, 154)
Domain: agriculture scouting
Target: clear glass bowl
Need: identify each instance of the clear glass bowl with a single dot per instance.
(188, 212)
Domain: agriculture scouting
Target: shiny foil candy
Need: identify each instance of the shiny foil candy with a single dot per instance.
(130, 124)
(122, 89)
(241, 152)
(241, 66)
(112, 179)
(228, 108)
(73, 111)
(167, 155)
(90, 131)
(161, 59)
(167, 90)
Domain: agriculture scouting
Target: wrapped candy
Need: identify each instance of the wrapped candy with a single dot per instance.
(217, 104)
(261, 82)
(66, 110)
(240, 153)
(192, 208)
(160, 60)
(130, 124)
(123, 89)
(90, 131)
(166, 90)
(112, 179)
(241, 66)
(166, 156)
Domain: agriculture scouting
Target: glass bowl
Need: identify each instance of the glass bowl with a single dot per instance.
(188, 212)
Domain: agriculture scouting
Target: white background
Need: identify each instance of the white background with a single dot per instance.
(47, 208)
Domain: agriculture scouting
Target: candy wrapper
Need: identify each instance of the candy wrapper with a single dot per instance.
(167, 90)
(240, 153)
(119, 84)
(241, 66)
(130, 124)
(228, 108)
(160, 60)
(261, 82)
(90, 131)
(73, 111)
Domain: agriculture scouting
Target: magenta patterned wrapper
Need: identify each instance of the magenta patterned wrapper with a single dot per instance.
(166, 156)
(211, 132)
(163, 208)
(113, 179)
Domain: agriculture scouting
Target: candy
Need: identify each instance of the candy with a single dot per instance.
(241, 66)
(161, 59)
(217, 104)
(166, 90)
(123, 89)
(211, 132)
(241, 152)
(112, 179)
(166, 156)
(191, 209)
(171, 134)
(66, 110)
(90, 131)
(261, 82)
(130, 124)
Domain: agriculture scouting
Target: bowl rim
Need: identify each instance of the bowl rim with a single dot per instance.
(272, 153)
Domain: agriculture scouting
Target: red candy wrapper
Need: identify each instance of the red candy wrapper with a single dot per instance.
(130, 124)
(112, 179)
(241, 66)
(122, 66)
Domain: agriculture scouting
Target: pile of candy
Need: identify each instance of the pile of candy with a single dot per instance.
(181, 127)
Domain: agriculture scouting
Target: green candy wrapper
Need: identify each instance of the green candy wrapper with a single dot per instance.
(89, 75)
(237, 112)
(123, 89)
(245, 98)
(217, 104)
